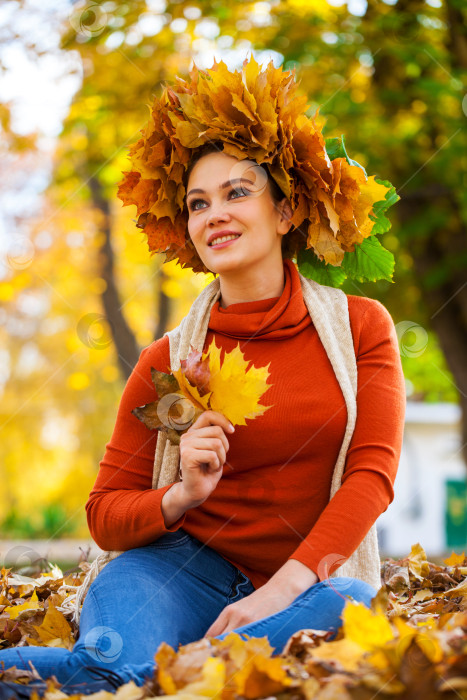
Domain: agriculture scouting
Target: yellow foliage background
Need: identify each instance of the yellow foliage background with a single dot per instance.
(60, 377)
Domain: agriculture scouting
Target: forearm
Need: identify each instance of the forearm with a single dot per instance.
(126, 518)
(293, 576)
(344, 523)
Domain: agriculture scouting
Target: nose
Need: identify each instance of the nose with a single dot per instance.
(217, 213)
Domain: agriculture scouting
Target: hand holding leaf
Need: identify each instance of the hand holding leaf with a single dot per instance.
(201, 384)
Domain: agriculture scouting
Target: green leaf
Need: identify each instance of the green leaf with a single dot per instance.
(335, 148)
(382, 223)
(369, 262)
(391, 197)
(312, 267)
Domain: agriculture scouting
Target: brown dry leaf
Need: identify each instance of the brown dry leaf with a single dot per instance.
(459, 590)
(421, 595)
(419, 674)
(54, 631)
(303, 641)
(10, 632)
(150, 414)
(175, 670)
(397, 578)
(250, 670)
(196, 371)
(411, 644)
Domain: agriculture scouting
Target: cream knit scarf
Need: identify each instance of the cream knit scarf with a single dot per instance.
(328, 308)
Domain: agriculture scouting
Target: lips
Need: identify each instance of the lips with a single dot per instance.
(219, 234)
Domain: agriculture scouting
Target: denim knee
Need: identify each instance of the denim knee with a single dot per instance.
(346, 586)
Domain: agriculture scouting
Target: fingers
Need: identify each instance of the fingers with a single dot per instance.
(203, 453)
(200, 451)
(208, 446)
(210, 459)
(213, 433)
(213, 418)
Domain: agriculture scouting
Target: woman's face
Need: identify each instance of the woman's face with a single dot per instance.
(231, 197)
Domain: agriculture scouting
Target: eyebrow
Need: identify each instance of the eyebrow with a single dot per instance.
(224, 185)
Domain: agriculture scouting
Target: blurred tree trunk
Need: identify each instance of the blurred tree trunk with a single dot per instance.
(124, 339)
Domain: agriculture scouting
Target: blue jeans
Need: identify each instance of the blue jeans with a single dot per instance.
(171, 591)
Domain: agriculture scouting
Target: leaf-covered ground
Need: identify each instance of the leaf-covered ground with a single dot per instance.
(411, 644)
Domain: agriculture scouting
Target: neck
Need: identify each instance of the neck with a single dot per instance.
(251, 285)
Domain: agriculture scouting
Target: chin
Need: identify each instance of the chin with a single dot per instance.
(223, 266)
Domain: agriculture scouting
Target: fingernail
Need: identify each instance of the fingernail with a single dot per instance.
(231, 428)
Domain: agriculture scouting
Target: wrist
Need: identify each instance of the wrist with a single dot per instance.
(180, 498)
(173, 504)
(295, 577)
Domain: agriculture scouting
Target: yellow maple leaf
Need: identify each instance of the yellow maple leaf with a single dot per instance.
(229, 387)
(236, 391)
(455, 559)
(212, 679)
(251, 672)
(15, 610)
(426, 639)
(164, 656)
(364, 627)
(345, 652)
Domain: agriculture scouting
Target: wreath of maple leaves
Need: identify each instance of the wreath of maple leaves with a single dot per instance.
(257, 115)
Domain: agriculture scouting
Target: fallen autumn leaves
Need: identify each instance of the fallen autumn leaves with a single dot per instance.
(411, 644)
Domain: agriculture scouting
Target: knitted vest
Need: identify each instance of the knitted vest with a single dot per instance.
(328, 308)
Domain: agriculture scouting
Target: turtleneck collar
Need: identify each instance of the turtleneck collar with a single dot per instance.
(274, 318)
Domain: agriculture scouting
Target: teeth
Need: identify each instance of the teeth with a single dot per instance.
(221, 239)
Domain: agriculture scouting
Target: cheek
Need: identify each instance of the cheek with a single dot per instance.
(257, 206)
(257, 212)
(193, 227)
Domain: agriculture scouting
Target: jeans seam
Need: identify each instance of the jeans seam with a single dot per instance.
(241, 582)
(234, 580)
(97, 606)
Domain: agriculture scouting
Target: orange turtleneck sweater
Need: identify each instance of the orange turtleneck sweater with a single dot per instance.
(272, 502)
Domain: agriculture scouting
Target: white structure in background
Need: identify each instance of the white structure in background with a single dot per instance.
(430, 493)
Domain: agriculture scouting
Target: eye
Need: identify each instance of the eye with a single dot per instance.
(241, 191)
(193, 204)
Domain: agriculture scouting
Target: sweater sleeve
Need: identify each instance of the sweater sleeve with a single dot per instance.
(123, 510)
(373, 455)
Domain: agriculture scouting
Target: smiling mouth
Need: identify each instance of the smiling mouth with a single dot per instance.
(224, 239)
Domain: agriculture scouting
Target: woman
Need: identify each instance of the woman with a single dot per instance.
(247, 540)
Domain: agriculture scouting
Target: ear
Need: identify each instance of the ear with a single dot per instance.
(286, 212)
